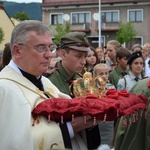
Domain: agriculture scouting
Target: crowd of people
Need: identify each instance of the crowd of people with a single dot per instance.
(31, 65)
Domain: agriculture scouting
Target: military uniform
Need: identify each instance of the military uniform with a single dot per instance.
(60, 78)
(137, 136)
(115, 75)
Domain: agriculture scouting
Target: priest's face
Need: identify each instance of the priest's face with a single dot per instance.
(34, 55)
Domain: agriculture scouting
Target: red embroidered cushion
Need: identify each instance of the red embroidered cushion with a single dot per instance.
(111, 107)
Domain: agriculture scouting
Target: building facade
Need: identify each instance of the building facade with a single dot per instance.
(84, 15)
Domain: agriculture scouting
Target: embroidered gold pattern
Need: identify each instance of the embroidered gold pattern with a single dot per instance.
(41, 145)
(39, 92)
(50, 92)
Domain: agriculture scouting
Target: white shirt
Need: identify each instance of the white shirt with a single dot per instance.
(130, 82)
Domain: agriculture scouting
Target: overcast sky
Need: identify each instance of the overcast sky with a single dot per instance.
(25, 1)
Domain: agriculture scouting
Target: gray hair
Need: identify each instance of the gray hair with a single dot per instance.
(20, 33)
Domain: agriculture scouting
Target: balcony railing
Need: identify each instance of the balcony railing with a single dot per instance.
(84, 26)
(109, 26)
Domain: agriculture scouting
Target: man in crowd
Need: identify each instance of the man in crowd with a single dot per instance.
(74, 48)
(22, 87)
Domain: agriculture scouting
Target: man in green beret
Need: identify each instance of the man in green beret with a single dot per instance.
(74, 48)
(137, 135)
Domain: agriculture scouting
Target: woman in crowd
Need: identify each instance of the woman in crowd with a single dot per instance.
(112, 47)
(136, 65)
(91, 60)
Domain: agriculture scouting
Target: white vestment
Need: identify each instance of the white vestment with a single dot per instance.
(18, 97)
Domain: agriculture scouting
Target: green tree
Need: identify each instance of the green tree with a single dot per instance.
(126, 33)
(60, 31)
(21, 16)
(1, 35)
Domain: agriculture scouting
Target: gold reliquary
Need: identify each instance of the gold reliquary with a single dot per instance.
(82, 87)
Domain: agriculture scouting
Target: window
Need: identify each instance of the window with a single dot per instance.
(95, 41)
(135, 15)
(56, 18)
(80, 18)
(110, 16)
(137, 40)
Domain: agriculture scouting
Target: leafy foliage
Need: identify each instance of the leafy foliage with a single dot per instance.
(21, 16)
(126, 33)
(60, 31)
(1, 35)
